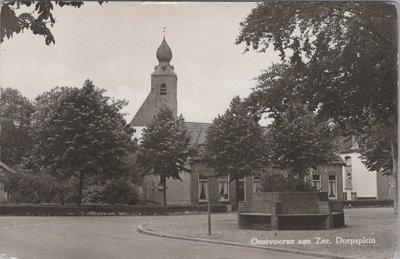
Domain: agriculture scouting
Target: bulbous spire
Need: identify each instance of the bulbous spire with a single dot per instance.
(164, 53)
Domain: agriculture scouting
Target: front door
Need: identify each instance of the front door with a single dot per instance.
(240, 194)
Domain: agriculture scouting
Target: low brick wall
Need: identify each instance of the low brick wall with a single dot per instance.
(296, 202)
(291, 210)
(336, 206)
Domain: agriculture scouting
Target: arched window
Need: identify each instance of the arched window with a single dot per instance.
(163, 89)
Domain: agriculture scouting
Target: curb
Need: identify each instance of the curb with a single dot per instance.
(142, 230)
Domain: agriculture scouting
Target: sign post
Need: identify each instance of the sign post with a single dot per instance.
(209, 207)
(209, 175)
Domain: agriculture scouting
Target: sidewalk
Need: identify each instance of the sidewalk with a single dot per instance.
(376, 226)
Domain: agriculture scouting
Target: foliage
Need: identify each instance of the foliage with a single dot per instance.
(165, 147)
(36, 16)
(26, 187)
(339, 53)
(103, 209)
(234, 143)
(15, 118)
(79, 132)
(375, 149)
(298, 142)
(122, 192)
(340, 59)
(277, 182)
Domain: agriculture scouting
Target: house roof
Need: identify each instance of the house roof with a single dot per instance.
(337, 159)
(198, 131)
(6, 168)
(348, 145)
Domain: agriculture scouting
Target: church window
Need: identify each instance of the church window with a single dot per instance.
(163, 89)
(203, 187)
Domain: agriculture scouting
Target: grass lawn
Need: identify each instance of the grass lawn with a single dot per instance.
(374, 223)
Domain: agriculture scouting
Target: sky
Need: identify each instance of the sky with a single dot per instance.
(114, 45)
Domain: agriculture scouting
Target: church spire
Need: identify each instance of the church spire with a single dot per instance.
(164, 53)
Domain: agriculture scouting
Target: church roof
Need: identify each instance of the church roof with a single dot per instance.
(164, 53)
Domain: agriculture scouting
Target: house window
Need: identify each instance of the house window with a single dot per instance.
(348, 173)
(223, 190)
(160, 183)
(332, 188)
(316, 181)
(203, 187)
(257, 183)
(163, 89)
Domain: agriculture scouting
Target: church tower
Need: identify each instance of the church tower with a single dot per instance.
(163, 88)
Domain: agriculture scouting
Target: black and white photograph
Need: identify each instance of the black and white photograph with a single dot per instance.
(194, 130)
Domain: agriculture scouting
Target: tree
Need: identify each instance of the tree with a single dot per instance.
(15, 121)
(375, 149)
(298, 142)
(348, 51)
(234, 144)
(35, 19)
(79, 132)
(165, 147)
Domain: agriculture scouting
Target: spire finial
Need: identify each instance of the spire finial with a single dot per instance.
(164, 29)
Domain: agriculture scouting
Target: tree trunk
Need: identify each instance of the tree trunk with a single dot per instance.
(237, 190)
(81, 178)
(393, 153)
(164, 190)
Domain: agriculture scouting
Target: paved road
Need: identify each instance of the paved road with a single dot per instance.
(106, 237)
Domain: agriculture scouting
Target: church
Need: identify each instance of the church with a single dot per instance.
(195, 186)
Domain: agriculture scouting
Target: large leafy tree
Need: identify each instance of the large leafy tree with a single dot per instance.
(36, 16)
(15, 121)
(339, 58)
(165, 147)
(298, 141)
(375, 149)
(79, 132)
(234, 144)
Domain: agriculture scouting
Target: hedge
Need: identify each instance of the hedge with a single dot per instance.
(367, 203)
(102, 210)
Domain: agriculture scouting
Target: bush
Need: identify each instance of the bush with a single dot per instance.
(68, 190)
(27, 187)
(103, 210)
(117, 191)
(278, 183)
(32, 188)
